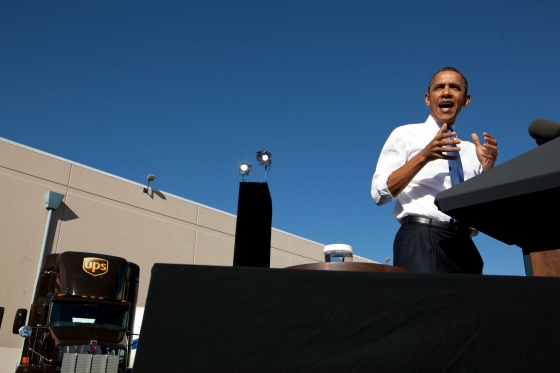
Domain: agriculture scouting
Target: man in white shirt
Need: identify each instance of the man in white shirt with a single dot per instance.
(414, 166)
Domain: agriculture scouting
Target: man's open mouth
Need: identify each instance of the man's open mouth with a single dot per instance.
(446, 106)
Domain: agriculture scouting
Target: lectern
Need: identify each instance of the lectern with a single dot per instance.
(518, 203)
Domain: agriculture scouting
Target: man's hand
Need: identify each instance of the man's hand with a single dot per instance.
(440, 144)
(487, 153)
(401, 177)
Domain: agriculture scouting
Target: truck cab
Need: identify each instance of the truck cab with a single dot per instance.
(82, 315)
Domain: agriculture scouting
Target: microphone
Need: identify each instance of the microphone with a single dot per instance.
(544, 130)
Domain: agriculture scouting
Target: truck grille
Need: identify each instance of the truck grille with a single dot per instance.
(85, 363)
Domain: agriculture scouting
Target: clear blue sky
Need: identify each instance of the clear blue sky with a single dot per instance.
(187, 90)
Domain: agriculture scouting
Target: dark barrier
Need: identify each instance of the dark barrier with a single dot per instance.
(254, 225)
(239, 319)
(523, 195)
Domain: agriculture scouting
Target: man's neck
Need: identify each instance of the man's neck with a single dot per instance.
(441, 123)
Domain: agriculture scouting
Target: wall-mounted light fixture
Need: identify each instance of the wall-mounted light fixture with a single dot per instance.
(150, 178)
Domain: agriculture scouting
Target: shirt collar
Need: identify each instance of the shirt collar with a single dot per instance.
(431, 120)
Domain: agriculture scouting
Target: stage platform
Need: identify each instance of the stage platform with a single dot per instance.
(242, 319)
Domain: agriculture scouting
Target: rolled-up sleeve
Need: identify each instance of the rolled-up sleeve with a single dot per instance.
(393, 155)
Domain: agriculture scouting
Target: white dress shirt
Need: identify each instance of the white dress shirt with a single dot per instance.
(418, 197)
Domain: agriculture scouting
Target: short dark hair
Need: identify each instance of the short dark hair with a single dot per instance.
(449, 68)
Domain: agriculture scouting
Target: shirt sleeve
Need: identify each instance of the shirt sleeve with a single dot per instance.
(393, 156)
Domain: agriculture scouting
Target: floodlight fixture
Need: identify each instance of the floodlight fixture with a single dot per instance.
(244, 169)
(264, 158)
(150, 178)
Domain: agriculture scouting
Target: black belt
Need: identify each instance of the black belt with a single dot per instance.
(447, 226)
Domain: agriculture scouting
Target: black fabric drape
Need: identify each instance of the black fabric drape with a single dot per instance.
(254, 224)
(239, 319)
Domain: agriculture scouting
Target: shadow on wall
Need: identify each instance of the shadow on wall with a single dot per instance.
(156, 192)
(65, 213)
(62, 213)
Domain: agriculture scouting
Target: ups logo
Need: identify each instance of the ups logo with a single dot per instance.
(95, 266)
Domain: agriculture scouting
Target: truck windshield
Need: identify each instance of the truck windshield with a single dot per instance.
(109, 316)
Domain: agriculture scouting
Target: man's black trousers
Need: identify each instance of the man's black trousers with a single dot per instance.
(422, 248)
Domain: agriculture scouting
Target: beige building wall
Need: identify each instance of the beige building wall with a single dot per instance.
(103, 213)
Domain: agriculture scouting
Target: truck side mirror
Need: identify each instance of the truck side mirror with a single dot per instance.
(1, 315)
(19, 320)
(25, 331)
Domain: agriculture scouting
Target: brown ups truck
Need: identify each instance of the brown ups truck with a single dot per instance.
(82, 315)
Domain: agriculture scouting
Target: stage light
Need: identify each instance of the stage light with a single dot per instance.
(244, 169)
(339, 252)
(150, 178)
(264, 158)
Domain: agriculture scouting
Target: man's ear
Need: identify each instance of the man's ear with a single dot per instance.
(467, 100)
(427, 99)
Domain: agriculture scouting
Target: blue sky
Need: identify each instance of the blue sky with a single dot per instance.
(187, 90)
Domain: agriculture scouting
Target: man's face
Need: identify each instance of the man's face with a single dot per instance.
(447, 96)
